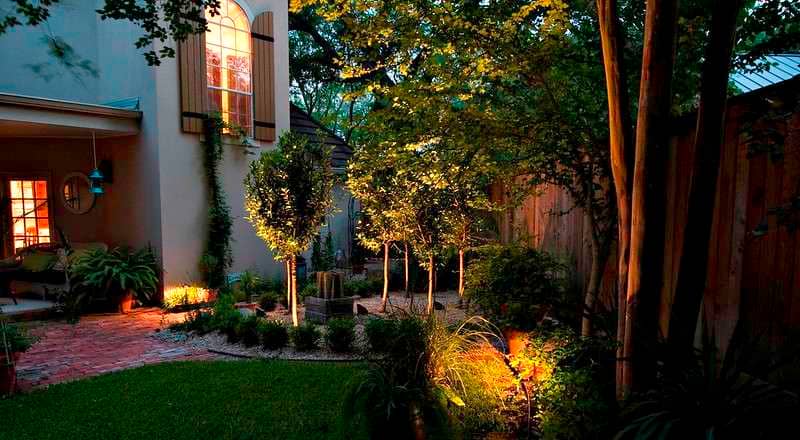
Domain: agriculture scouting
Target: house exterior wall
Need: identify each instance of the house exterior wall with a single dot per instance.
(159, 193)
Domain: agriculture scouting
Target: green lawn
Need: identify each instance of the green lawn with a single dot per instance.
(189, 400)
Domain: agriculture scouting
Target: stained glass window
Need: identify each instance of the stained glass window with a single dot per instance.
(30, 212)
(228, 62)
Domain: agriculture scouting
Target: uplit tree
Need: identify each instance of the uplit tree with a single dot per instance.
(287, 196)
(373, 180)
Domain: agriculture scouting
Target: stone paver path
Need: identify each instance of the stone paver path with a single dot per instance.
(99, 344)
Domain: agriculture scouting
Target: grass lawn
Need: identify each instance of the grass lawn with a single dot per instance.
(189, 400)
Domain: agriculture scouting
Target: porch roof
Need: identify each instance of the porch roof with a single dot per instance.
(29, 116)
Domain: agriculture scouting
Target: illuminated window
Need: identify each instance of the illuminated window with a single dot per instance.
(228, 61)
(30, 213)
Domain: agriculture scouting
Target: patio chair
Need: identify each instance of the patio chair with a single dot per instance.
(17, 270)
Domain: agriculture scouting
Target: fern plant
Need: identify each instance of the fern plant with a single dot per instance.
(120, 269)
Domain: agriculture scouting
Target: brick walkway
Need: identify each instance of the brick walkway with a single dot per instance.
(99, 344)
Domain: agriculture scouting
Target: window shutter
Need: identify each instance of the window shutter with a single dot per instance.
(263, 78)
(194, 88)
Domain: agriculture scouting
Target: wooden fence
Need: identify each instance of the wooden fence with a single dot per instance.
(754, 261)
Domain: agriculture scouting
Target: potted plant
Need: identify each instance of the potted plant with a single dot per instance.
(13, 342)
(121, 273)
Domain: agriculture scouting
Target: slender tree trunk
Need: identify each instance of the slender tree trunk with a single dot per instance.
(619, 122)
(431, 279)
(708, 143)
(645, 269)
(460, 275)
(405, 263)
(385, 296)
(295, 321)
(600, 250)
(288, 285)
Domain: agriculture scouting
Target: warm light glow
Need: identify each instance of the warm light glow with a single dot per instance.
(228, 61)
(186, 295)
(29, 212)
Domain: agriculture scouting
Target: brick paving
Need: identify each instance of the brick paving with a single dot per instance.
(99, 344)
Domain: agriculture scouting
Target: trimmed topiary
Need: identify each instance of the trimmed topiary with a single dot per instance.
(305, 337)
(274, 334)
(340, 334)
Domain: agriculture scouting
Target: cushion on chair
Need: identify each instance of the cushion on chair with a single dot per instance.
(38, 261)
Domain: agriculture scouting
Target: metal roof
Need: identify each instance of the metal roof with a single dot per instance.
(781, 68)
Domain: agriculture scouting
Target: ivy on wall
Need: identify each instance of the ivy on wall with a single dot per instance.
(218, 256)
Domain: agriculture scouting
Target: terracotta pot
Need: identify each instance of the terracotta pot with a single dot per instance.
(126, 301)
(8, 374)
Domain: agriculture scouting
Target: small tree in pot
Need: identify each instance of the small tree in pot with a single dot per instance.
(122, 273)
(13, 342)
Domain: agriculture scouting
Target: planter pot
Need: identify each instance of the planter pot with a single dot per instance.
(126, 301)
(8, 374)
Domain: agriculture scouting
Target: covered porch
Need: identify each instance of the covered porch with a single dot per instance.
(69, 172)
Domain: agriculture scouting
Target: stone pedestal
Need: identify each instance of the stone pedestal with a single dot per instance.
(322, 309)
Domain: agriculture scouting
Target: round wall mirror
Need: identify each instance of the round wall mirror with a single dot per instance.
(76, 193)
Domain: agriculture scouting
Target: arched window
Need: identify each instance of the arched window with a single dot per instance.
(228, 65)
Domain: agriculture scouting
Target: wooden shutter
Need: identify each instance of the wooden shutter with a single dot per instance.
(263, 78)
(194, 88)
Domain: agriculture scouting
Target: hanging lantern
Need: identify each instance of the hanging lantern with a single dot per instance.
(95, 176)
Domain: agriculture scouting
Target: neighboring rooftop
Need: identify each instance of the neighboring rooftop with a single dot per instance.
(301, 122)
(782, 67)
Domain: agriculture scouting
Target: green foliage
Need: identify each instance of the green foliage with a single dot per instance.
(571, 383)
(250, 284)
(225, 316)
(364, 288)
(305, 337)
(340, 335)
(516, 285)
(288, 193)
(274, 334)
(218, 255)
(198, 321)
(13, 339)
(322, 254)
(380, 334)
(117, 270)
(310, 289)
(268, 301)
(708, 395)
(247, 330)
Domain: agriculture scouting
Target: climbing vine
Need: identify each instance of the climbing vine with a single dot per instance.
(218, 257)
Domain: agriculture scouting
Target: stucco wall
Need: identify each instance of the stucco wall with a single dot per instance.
(184, 202)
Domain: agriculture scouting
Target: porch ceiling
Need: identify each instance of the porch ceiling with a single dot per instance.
(26, 116)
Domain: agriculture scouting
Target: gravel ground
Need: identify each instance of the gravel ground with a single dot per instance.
(398, 303)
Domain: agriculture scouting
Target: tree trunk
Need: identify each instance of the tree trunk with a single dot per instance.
(385, 296)
(460, 275)
(645, 270)
(612, 41)
(600, 250)
(288, 285)
(431, 278)
(709, 137)
(405, 263)
(294, 291)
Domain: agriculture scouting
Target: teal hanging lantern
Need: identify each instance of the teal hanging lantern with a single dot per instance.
(96, 176)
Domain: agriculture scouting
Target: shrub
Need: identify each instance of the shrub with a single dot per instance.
(380, 334)
(305, 336)
(268, 301)
(274, 334)
(363, 288)
(226, 317)
(197, 321)
(340, 334)
(516, 286)
(247, 330)
(249, 284)
(310, 289)
(185, 296)
(572, 383)
(14, 339)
